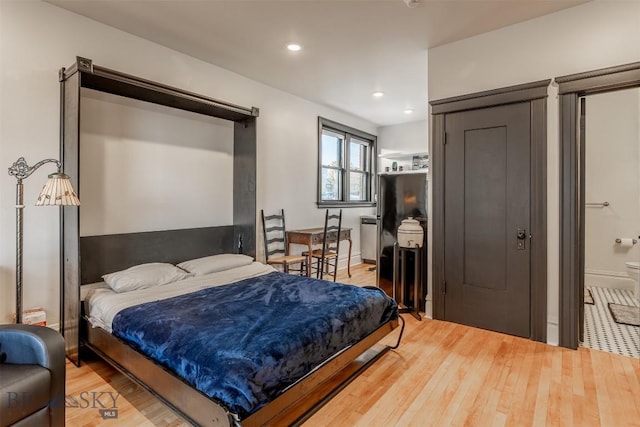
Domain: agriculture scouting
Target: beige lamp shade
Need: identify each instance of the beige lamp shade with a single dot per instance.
(58, 191)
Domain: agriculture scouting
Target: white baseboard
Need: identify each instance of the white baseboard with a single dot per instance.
(54, 326)
(608, 279)
(553, 334)
(428, 308)
(355, 260)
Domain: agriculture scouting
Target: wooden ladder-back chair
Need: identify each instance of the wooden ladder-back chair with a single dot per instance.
(276, 248)
(327, 257)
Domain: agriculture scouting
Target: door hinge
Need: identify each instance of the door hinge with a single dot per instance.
(444, 287)
(444, 141)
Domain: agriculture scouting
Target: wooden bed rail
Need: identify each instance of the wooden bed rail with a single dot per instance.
(292, 407)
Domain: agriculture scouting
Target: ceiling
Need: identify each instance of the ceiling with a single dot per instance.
(350, 48)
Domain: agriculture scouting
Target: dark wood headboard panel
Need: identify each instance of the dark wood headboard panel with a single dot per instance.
(114, 252)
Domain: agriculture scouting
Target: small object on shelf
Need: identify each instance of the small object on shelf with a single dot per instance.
(420, 161)
(386, 169)
(394, 166)
(400, 168)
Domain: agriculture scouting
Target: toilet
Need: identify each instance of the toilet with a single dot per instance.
(633, 270)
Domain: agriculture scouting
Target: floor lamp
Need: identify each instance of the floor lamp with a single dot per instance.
(57, 191)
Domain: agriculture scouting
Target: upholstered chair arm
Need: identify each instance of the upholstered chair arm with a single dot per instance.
(38, 345)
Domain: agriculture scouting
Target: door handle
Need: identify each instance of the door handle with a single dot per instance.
(521, 236)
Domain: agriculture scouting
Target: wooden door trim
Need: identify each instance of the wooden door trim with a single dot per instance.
(491, 98)
(539, 220)
(571, 88)
(601, 80)
(535, 93)
(437, 215)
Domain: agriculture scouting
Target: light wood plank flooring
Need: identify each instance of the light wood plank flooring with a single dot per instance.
(443, 374)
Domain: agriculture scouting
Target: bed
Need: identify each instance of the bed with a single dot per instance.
(244, 338)
(85, 259)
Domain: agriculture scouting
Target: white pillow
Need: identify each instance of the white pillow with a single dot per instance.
(215, 263)
(144, 276)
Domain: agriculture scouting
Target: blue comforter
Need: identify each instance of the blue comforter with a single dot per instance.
(241, 344)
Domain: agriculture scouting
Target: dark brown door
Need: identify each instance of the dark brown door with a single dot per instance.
(487, 218)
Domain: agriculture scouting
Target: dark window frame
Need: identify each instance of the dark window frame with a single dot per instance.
(345, 167)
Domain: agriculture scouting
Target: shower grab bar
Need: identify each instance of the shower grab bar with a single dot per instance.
(601, 204)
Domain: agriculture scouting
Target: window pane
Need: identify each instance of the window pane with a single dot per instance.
(358, 156)
(331, 186)
(331, 149)
(344, 150)
(358, 186)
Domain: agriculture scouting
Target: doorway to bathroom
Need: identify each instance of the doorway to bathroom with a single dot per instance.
(610, 123)
(598, 225)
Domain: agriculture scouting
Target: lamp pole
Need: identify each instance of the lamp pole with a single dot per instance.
(19, 212)
(21, 170)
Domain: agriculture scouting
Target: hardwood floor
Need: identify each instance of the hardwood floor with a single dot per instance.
(443, 374)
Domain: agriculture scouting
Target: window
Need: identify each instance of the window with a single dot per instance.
(345, 165)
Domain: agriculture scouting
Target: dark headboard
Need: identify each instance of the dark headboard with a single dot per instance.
(114, 252)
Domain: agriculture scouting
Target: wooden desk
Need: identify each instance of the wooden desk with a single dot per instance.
(313, 236)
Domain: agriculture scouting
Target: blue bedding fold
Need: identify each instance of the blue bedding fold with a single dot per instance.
(242, 344)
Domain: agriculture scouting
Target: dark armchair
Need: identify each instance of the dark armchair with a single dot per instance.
(32, 376)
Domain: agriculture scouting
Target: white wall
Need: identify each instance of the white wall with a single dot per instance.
(146, 167)
(36, 39)
(411, 137)
(407, 137)
(594, 35)
(612, 150)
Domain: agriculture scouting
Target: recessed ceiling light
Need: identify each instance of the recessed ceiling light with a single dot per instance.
(293, 47)
(408, 111)
(378, 94)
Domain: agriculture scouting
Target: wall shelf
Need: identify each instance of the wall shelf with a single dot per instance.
(401, 159)
(404, 172)
(401, 155)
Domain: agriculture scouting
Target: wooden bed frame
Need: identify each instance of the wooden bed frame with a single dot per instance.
(114, 252)
(293, 406)
(86, 259)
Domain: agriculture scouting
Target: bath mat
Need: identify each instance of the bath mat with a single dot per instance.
(588, 298)
(625, 314)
